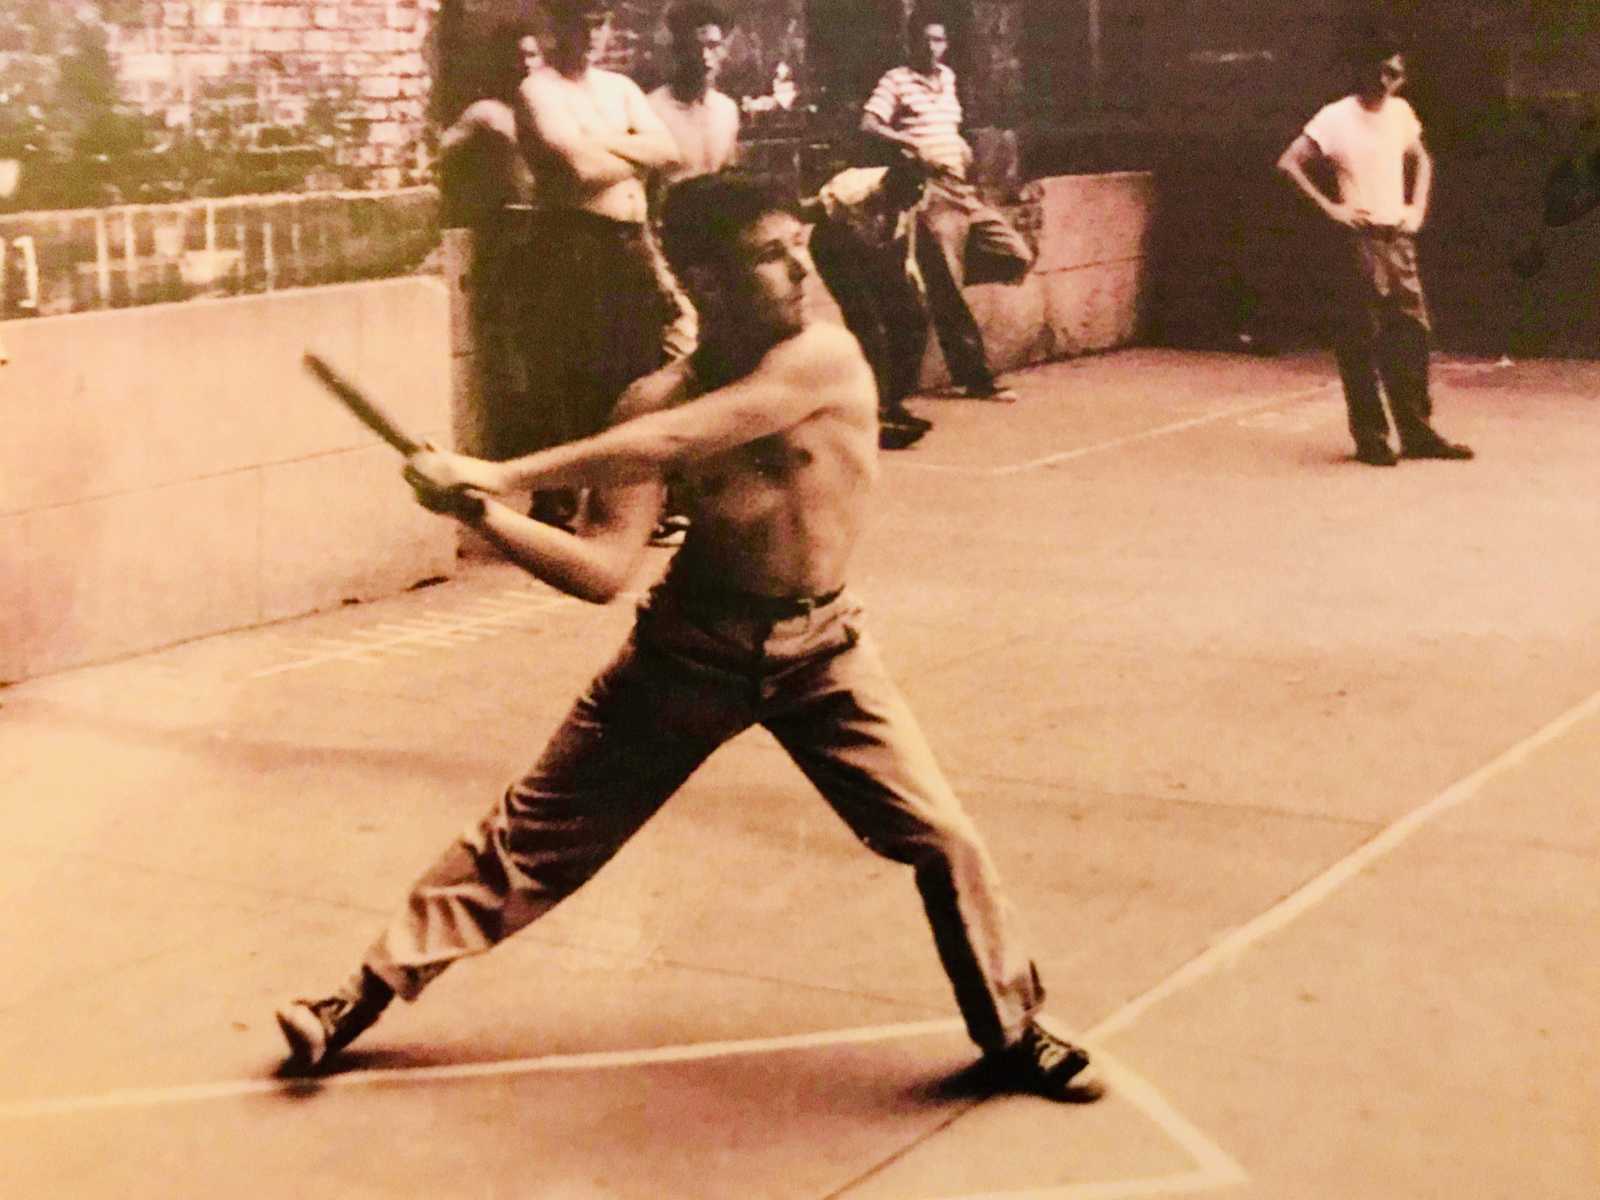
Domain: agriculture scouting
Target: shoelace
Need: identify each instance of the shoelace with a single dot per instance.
(1050, 1052)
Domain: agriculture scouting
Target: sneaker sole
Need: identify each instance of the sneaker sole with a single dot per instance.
(308, 1041)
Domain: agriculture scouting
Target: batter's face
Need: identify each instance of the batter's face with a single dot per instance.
(772, 270)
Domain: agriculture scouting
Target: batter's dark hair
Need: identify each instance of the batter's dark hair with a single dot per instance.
(683, 19)
(702, 218)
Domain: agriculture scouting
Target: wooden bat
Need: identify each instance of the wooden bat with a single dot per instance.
(363, 408)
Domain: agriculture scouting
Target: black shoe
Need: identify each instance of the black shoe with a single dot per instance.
(898, 415)
(1042, 1064)
(1375, 454)
(318, 1029)
(987, 391)
(892, 435)
(1437, 448)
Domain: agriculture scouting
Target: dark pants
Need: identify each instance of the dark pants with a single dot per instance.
(1381, 336)
(697, 671)
(957, 232)
(586, 312)
(880, 305)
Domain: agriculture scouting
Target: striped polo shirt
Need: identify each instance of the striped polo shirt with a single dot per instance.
(926, 109)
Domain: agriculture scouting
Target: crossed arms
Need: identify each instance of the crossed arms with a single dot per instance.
(596, 159)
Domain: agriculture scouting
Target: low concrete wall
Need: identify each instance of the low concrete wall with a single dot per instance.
(1087, 290)
(171, 471)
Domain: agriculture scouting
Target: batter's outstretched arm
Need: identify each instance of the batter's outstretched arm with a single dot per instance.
(596, 563)
(814, 370)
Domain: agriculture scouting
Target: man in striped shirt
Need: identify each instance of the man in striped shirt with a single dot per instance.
(916, 112)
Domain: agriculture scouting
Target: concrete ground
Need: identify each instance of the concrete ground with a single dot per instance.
(1289, 764)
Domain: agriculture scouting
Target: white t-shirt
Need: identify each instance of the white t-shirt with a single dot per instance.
(1368, 152)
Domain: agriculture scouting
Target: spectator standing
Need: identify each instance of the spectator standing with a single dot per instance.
(1371, 143)
(863, 245)
(703, 120)
(487, 187)
(595, 308)
(916, 111)
(705, 124)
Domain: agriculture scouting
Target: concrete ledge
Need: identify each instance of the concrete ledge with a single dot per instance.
(171, 471)
(1087, 290)
(1089, 219)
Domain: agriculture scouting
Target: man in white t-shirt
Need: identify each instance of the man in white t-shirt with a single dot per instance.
(1371, 143)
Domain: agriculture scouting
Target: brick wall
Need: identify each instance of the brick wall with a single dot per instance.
(274, 62)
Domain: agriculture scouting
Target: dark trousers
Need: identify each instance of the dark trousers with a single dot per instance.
(880, 305)
(589, 312)
(1381, 337)
(958, 235)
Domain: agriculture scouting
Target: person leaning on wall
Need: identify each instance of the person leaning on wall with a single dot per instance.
(915, 112)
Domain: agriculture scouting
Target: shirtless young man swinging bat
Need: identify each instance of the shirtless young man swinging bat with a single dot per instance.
(772, 427)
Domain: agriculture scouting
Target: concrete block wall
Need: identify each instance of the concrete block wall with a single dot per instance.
(1088, 288)
(171, 471)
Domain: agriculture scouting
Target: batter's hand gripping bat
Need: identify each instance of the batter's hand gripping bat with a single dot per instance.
(461, 503)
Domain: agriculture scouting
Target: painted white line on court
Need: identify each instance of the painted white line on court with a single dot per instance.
(604, 1060)
(1116, 1189)
(1239, 411)
(1214, 1167)
(1297, 903)
(1144, 435)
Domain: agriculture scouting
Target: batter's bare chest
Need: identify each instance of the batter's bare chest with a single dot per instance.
(768, 466)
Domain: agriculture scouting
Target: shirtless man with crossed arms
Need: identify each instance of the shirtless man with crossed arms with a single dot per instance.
(772, 425)
(595, 306)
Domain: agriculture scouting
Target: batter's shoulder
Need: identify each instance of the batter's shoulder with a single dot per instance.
(829, 343)
(829, 359)
(661, 389)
